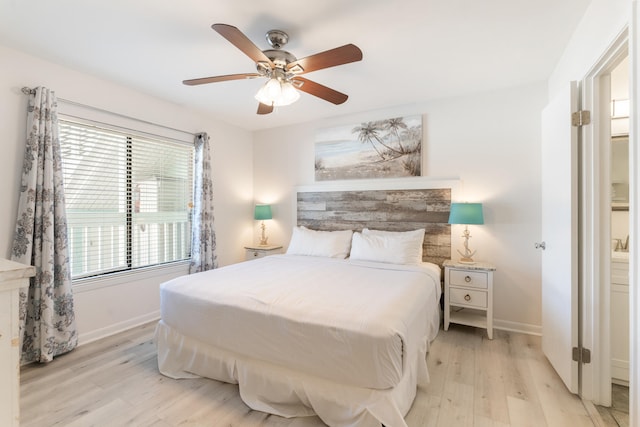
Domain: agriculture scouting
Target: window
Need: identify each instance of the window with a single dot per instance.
(128, 198)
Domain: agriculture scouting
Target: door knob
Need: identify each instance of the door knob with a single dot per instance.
(541, 245)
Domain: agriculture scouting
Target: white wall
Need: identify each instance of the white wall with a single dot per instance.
(599, 27)
(491, 141)
(118, 304)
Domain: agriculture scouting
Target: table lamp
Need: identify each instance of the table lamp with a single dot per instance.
(466, 213)
(261, 213)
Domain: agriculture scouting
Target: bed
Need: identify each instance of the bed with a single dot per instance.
(338, 327)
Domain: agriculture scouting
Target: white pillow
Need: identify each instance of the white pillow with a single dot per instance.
(332, 244)
(388, 246)
(413, 234)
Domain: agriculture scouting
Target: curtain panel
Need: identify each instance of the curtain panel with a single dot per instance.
(203, 237)
(47, 319)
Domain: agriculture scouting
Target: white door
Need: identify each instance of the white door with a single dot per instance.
(560, 234)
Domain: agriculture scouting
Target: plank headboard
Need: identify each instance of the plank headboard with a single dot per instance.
(382, 209)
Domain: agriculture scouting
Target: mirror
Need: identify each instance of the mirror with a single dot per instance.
(620, 172)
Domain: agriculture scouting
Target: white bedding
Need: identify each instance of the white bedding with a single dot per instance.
(359, 327)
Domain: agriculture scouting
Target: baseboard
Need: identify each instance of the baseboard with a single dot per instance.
(620, 371)
(622, 383)
(87, 337)
(523, 328)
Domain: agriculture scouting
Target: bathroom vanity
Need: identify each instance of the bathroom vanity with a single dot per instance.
(620, 318)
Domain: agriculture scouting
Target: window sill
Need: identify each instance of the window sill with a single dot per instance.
(114, 279)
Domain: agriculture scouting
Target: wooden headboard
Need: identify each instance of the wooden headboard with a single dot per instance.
(384, 209)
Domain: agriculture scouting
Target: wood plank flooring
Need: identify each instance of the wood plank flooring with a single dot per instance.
(618, 414)
(474, 382)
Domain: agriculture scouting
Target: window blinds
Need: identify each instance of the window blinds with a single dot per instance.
(128, 198)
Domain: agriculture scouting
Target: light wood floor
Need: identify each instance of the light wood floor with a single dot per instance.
(618, 414)
(474, 382)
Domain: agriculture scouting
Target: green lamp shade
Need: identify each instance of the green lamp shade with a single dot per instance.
(262, 212)
(466, 213)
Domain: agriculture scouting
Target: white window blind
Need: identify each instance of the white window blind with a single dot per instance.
(128, 198)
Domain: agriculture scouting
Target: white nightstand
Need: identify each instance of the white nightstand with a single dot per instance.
(13, 276)
(254, 252)
(468, 295)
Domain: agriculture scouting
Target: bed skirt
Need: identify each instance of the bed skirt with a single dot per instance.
(277, 390)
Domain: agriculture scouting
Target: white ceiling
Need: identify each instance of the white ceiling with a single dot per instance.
(414, 50)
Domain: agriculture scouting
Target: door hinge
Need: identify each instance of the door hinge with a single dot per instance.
(581, 118)
(581, 355)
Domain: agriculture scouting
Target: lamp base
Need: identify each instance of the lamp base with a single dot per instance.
(264, 238)
(466, 256)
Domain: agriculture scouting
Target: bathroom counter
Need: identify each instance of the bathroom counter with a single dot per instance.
(619, 256)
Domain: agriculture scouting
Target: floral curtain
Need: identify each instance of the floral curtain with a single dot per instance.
(47, 320)
(203, 236)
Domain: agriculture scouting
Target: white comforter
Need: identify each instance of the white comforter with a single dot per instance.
(358, 324)
(340, 320)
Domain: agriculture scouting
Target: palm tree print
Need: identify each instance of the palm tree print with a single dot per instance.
(367, 132)
(390, 148)
(394, 125)
(370, 131)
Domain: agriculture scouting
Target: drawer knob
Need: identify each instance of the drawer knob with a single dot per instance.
(467, 297)
(255, 254)
(467, 279)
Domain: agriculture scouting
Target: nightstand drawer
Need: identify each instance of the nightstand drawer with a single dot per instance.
(471, 279)
(255, 252)
(252, 254)
(468, 297)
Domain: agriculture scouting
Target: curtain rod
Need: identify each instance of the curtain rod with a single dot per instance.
(29, 91)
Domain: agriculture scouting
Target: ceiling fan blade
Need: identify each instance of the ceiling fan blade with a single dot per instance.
(316, 89)
(264, 108)
(329, 58)
(242, 42)
(204, 80)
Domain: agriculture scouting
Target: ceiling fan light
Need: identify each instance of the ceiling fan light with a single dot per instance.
(276, 93)
(268, 92)
(288, 96)
(273, 89)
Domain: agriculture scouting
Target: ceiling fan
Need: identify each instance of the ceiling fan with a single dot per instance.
(282, 69)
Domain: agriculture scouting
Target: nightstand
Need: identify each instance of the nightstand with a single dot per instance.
(468, 295)
(255, 252)
(13, 276)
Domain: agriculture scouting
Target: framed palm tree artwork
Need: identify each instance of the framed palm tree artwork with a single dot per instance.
(387, 148)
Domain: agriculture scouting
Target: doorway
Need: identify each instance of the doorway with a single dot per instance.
(604, 225)
(618, 177)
